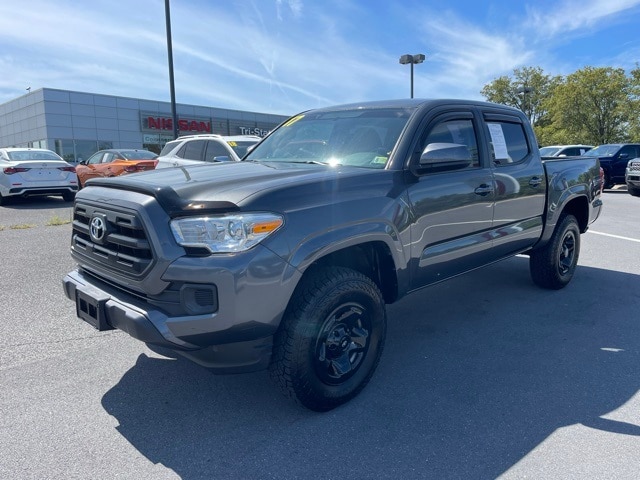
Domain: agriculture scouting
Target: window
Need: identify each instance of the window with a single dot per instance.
(508, 142)
(109, 157)
(193, 150)
(215, 149)
(455, 132)
(95, 159)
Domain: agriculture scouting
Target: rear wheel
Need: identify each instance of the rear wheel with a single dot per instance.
(553, 265)
(68, 196)
(633, 191)
(330, 339)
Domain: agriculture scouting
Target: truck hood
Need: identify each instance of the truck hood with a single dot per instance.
(230, 186)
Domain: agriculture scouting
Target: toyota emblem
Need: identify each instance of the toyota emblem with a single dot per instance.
(97, 229)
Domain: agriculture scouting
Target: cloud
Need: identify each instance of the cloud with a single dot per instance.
(283, 56)
(578, 15)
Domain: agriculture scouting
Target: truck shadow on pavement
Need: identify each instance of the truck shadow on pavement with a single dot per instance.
(477, 373)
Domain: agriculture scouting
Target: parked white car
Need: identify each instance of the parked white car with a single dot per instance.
(196, 149)
(35, 171)
(564, 150)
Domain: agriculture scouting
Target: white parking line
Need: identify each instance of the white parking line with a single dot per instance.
(614, 236)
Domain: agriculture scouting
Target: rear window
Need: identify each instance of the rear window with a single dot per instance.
(32, 155)
(169, 146)
(139, 155)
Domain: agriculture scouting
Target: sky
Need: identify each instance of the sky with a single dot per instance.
(286, 56)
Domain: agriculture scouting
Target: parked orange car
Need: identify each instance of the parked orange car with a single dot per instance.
(114, 162)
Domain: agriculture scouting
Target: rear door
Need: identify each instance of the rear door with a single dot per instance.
(520, 184)
(453, 207)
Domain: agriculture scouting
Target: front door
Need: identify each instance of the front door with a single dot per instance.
(453, 209)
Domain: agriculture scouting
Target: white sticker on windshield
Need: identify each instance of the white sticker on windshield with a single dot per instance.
(499, 143)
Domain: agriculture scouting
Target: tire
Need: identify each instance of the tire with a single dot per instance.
(68, 196)
(608, 183)
(633, 191)
(330, 340)
(3, 201)
(553, 265)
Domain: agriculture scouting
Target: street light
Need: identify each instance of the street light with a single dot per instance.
(526, 101)
(412, 60)
(172, 88)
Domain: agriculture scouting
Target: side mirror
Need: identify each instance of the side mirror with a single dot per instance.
(623, 155)
(445, 156)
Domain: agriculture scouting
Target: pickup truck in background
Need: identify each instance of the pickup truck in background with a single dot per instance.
(632, 177)
(287, 259)
(613, 160)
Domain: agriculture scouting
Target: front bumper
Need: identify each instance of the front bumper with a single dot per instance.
(234, 348)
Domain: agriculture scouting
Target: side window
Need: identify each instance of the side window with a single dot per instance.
(456, 133)
(508, 142)
(95, 159)
(192, 150)
(108, 158)
(630, 150)
(215, 149)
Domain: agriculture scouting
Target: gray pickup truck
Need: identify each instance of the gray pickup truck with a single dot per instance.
(287, 259)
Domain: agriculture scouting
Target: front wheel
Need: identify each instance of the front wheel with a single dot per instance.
(633, 191)
(553, 265)
(331, 338)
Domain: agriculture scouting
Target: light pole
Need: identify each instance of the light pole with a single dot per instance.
(172, 88)
(412, 60)
(526, 101)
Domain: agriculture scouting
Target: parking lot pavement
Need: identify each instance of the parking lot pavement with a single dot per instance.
(483, 376)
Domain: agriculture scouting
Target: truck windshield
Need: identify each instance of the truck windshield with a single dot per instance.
(602, 151)
(358, 137)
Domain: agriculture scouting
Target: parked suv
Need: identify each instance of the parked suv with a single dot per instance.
(194, 149)
(632, 177)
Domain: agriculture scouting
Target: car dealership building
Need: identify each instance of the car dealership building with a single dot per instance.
(76, 124)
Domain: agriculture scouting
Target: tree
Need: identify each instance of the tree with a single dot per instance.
(633, 110)
(527, 90)
(591, 106)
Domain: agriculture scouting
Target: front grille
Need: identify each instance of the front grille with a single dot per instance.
(634, 167)
(123, 248)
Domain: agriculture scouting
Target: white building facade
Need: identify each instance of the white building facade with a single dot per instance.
(75, 124)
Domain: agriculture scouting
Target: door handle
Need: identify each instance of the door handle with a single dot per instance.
(535, 182)
(484, 189)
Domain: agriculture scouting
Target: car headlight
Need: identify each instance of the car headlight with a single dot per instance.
(225, 233)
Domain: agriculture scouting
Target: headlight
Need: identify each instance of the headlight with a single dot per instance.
(226, 233)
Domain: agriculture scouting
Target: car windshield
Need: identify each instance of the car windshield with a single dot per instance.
(241, 146)
(22, 155)
(602, 151)
(358, 137)
(138, 155)
(549, 151)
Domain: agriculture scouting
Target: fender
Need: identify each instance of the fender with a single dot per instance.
(324, 242)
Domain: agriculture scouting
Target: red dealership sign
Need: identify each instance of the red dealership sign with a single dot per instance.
(153, 123)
